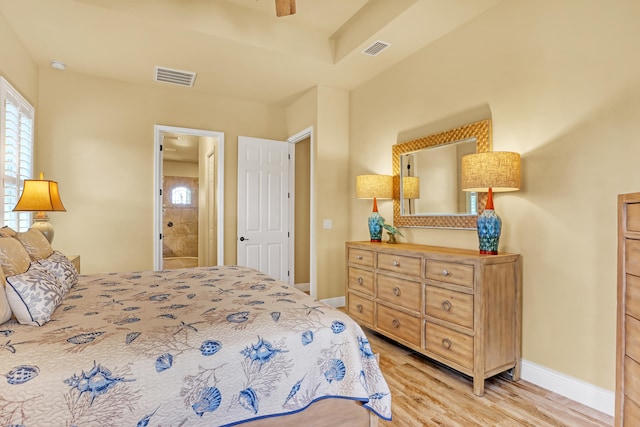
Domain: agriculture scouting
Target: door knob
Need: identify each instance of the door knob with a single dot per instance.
(242, 239)
(170, 224)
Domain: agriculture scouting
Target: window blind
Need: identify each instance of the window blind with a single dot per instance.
(16, 151)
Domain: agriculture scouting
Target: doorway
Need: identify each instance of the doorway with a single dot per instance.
(298, 268)
(302, 209)
(188, 208)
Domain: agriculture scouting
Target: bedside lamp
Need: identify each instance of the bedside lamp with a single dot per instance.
(40, 195)
(374, 187)
(491, 171)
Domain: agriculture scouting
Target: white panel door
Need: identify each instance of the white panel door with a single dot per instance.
(263, 179)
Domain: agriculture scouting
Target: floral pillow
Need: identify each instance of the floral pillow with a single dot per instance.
(33, 295)
(36, 245)
(62, 268)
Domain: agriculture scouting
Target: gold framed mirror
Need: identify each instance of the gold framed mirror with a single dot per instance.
(437, 158)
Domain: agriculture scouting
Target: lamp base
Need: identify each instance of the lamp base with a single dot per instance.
(44, 226)
(489, 228)
(375, 229)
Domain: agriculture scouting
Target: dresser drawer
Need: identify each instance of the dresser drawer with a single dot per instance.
(361, 309)
(361, 256)
(361, 280)
(449, 344)
(404, 293)
(632, 296)
(632, 256)
(399, 324)
(632, 379)
(633, 217)
(632, 338)
(451, 306)
(631, 413)
(450, 272)
(400, 264)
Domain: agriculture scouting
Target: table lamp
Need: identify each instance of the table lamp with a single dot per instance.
(492, 171)
(374, 187)
(40, 195)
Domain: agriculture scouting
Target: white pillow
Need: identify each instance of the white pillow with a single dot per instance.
(34, 295)
(62, 268)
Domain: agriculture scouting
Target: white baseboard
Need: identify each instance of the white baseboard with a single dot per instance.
(580, 391)
(304, 287)
(335, 302)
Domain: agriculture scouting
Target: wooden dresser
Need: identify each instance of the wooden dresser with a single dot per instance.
(628, 336)
(452, 305)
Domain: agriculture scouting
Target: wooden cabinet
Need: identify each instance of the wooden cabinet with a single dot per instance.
(455, 306)
(628, 331)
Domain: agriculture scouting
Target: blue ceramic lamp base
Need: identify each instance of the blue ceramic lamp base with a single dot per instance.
(489, 228)
(375, 228)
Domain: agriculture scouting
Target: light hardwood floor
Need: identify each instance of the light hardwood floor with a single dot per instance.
(427, 394)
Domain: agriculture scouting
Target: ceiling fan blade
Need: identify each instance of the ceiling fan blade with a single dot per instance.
(285, 7)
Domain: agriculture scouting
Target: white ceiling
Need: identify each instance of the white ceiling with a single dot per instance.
(238, 48)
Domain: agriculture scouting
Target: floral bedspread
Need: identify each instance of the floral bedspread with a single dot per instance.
(210, 346)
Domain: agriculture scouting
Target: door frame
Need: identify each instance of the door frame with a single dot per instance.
(157, 187)
(298, 137)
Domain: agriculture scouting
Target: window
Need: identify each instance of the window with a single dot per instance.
(180, 196)
(16, 152)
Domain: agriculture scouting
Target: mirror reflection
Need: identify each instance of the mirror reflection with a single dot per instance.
(430, 182)
(427, 177)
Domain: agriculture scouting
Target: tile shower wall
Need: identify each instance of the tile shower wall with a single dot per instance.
(181, 238)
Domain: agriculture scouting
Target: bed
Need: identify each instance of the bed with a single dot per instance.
(209, 346)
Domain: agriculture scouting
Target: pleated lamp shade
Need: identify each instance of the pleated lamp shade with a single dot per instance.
(40, 195)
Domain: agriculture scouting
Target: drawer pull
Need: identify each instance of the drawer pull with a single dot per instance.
(359, 307)
(446, 305)
(445, 272)
(396, 264)
(396, 323)
(358, 256)
(360, 280)
(446, 343)
(396, 291)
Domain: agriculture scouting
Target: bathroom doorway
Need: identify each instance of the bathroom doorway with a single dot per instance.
(189, 185)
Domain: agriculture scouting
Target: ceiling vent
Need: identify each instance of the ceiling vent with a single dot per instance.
(375, 48)
(176, 77)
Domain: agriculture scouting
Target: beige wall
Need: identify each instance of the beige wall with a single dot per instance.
(96, 139)
(327, 110)
(562, 82)
(16, 65)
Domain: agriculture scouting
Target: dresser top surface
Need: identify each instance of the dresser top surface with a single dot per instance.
(412, 247)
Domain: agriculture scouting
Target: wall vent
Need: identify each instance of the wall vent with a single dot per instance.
(376, 47)
(176, 77)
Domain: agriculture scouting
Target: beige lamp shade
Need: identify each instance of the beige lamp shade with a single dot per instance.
(374, 186)
(40, 196)
(498, 170)
(411, 187)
